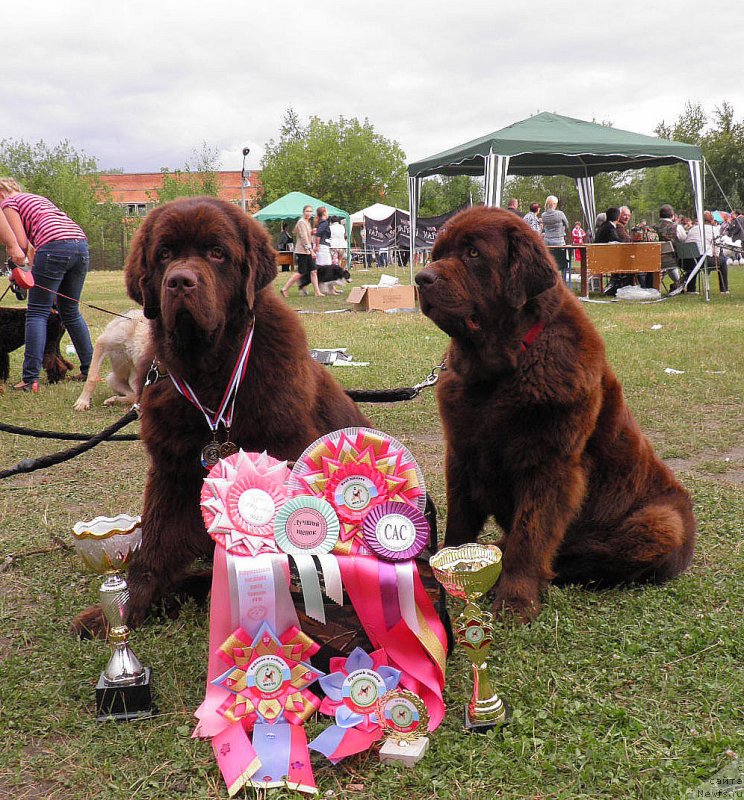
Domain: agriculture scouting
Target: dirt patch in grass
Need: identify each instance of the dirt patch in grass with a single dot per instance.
(731, 465)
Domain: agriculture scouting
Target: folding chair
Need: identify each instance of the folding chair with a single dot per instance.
(690, 260)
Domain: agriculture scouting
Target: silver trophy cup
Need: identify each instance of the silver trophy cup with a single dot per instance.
(105, 545)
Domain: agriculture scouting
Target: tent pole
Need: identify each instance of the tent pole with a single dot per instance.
(414, 191)
(697, 188)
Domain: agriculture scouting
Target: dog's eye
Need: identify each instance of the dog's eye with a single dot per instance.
(164, 254)
(217, 253)
(473, 253)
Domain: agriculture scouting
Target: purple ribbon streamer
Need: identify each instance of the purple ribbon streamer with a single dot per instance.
(389, 594)
(328, 741)
(272, 744)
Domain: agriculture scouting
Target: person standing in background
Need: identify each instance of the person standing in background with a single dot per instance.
(60, 264)
(338, 242)
(532, 219)
(555, 227)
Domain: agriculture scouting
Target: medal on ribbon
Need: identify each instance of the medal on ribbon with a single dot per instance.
(353, 689)
(240, 499)
(356, 470)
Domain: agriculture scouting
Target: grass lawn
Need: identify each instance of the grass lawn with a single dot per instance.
(634, 693)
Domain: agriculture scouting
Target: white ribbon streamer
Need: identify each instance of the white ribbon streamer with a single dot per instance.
(406, 595)
(311, 593)
(332, 578)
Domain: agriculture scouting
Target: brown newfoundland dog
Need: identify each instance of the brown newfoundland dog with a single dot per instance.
(202, 270)
(537, 432)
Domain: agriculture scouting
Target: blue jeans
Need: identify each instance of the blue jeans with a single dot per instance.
(59, 266)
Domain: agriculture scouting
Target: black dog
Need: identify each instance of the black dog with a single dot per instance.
(329, 279)
(13, 336)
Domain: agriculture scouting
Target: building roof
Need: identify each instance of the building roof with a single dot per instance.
(141, 187)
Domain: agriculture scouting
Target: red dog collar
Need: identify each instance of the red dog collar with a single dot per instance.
(531, 335)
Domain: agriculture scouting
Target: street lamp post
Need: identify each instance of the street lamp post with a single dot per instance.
(244, 179)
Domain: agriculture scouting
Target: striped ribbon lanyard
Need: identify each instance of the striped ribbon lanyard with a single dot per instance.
(224, 413)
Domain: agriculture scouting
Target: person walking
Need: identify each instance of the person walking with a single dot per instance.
(303, 250)
(60, 264)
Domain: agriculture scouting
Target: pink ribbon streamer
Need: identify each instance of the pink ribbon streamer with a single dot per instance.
(403, 648)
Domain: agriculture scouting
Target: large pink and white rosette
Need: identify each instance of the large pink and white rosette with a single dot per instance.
(239, 501)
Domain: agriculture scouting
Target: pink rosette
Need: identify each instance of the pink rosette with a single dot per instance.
(354, 490)
(338, 456)
(239, 500)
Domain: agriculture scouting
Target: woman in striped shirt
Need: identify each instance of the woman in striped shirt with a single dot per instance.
(60, 265)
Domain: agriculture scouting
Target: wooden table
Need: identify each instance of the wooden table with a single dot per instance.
(627, 258)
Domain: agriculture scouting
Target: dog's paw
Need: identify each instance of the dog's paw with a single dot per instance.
(516, 607)
(90, 624)
(82, 404)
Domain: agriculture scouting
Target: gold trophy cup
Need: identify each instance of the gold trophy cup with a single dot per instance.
(105, 545)
(467, 573)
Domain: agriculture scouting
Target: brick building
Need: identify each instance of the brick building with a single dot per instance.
(136, 192)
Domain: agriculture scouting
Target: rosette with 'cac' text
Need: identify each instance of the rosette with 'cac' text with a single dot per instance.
(356, 470)
(240, 499)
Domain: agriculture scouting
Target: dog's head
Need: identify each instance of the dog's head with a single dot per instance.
(195, 265)
(487, 265)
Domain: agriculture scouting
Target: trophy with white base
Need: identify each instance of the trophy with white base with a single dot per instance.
(105, 545)
(405, 720)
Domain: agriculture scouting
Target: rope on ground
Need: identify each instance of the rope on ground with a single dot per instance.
(32, 464)
(68, 437)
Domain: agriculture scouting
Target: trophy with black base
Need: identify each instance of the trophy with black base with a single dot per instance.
(467, 573)
(105, 545)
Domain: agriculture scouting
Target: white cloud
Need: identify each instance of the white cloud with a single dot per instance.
(141, 85)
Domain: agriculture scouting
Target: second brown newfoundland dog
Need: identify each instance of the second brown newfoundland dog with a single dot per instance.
(202, 270)
(538, 434)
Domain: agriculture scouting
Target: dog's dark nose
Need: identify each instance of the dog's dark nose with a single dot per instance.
(181, 280)
(425, 277)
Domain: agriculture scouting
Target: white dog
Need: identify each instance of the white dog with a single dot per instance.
(124, 342)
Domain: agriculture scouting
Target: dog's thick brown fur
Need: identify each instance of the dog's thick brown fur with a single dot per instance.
(538, 434)
(202, 269)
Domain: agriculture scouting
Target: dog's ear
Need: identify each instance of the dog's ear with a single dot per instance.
(261, 256)
(531, 270)
(136, 273)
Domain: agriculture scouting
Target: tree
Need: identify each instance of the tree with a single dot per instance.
(68, 178)
(722, 141)
(343, 161)
(193, 180)
(440, 195)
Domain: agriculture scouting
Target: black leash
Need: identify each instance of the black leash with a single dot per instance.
(108, 434)
(396, 395)
(68, 437)
(32, 464)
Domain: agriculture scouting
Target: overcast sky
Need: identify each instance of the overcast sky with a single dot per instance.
(140, 85)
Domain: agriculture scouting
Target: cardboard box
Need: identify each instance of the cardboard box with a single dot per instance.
(378, 298)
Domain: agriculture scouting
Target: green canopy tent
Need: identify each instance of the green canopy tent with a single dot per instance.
(551, 144)
(290, 207)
